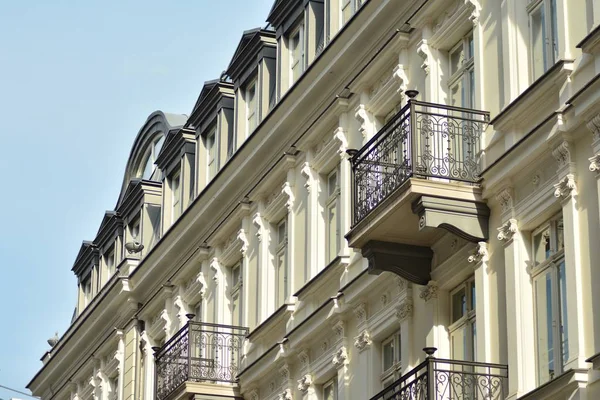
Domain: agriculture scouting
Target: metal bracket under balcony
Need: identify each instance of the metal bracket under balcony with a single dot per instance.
(199, 352)
(441, 379)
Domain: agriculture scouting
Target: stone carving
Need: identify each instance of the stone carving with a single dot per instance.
(535, 180)
(363, 340)
(258, 223)
(405, 309)
(307, 173)
(480, 253)
(562, 153)
(339, 135)
(284, 372)
(505, 198)
(474, 17)
(286, 395)
(595, 163)
(241, 236)
(253, 395)
(594, 126)
(566, 187)
(340, 358)
(401, 78)
(304, 359)
(508, 230)
(425, 54)
(339, 329)
(360, 312)
(287, 190)
(429, 291)
(304, 383)
(363, 118)
(214, 266)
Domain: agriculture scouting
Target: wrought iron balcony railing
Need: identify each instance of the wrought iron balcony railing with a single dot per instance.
(440, 379)
(199, 352)
(423, 140)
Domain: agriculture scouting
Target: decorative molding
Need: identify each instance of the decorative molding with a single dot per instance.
(286, 395)
(508, 230)
(339, 330)
(594, 126)
(363, 341)
(405, 310)
(340, 358)
(257, 221)
(305, 382)
(595, 163)
(287, 191)
(425, 54)
(360, 312)
(194, 289)
(562, 154)
(215, 267)
(362, 117)
(480, 254)
(254, 395)
(505, 198)
(566, 187)
(284, 373)
(474, 17)
(401, 79)
(304, 359)
(307, 173)
(429, 291)
(241, 236)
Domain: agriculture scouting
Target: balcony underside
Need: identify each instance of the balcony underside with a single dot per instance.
(397, 235)
(205, 391)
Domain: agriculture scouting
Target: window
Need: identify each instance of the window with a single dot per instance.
(281, 260)
(550, 300)
(175, 196)
(296, 47)
(391, 357)
(333, 215)
(462, 74)
(347, 10)
(463, 331)
(330, 390)
(211, 149)
(543, 35)
(134, 230)
(113, 388)
(109, 260)
(236, 284)
(86, 288)
(150, 158)
(251, 104)
(198, 312)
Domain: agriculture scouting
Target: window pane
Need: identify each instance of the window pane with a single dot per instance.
(458, 342)
(473, 341)
(473, 296)
(456, 94)
(560, 234)
(388, 355)
(538, 35)
(459, 304)
(564, 331)
(281, 232)
(471, 96)
(545, 339)
(330, 390)
(456, 60)
(281, 279)
(332, 184)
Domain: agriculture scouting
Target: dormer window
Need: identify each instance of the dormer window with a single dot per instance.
(175, 183)
(150, 158)
(251, 104)
(86, 288)
(296, 47)
(134, 230)
(347, 10)
(109, 260)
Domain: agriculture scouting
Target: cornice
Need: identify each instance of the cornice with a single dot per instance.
(178, 143)
(281, 10)
(249, 54)
(134, 196)
(86, 258)
(211, 103)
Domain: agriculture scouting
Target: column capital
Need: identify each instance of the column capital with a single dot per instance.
(480, 254)
(405, 310)
(566, 187)
(305, 382)
(363, 341)
(340, 358)
(429, 291)
(507, 231)
(506, 198)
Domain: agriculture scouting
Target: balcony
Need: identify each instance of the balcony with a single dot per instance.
(440, 379)
(198, 353)
(418, 176)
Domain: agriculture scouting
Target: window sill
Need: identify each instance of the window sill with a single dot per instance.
(560, 385)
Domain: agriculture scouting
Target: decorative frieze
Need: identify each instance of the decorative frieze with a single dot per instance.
(405, 310)
(429, 291)
(305, 382)
(304, 359)
(508, 230)
(339, 330)
(562, 154)
(363, 341)
(566, 187)
(340, 358)
(479, 254)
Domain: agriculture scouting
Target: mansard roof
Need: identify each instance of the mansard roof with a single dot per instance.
(156, 124)
(215, 95)
(281, 10)
(250, 50)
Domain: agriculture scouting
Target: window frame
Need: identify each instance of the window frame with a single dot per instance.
(550, 267)
(548, 34)
(176, 195)
(466, 321)
(344, 5)
(212, 152)
(254, 115)
(150, 155)
(236, 293)
(465, 71)
(281, 254)
(331, 383)
(392, 373)
(333, 202)
(108, 255)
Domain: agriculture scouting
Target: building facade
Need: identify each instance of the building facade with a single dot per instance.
(377, 199)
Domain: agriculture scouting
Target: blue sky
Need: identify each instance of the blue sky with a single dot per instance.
(77, 81)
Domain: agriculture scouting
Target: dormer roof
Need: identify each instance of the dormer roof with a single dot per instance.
(250, 50)
(215, 95)
(177, 141)
(87, 256)
(111, 223)
(281, 10)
